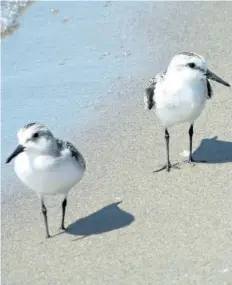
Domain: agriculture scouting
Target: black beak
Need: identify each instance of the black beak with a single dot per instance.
(214, 77)
(17, 151)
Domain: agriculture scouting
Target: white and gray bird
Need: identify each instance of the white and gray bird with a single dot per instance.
(179, 94)
(47, 165)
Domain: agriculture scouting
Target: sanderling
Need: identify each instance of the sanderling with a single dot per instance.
(180, 93)
(47, 165)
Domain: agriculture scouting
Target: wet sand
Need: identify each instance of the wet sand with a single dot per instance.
(169, 228)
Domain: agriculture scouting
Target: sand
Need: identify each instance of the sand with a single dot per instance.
(127, 225)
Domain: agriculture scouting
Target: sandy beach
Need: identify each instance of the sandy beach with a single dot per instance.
(126, 225)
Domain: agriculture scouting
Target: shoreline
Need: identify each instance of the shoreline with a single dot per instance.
(85, 93)
(172, 227)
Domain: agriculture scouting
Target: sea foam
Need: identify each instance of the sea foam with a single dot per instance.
(10, 10)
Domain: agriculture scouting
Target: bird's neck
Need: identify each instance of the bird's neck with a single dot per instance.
(187, 77)
(50, 149)
(53, 149)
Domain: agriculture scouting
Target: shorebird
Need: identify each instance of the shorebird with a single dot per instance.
(47, 165)
(179, 95)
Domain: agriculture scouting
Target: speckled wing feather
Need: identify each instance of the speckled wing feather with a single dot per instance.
(75, 153)
(150, 90)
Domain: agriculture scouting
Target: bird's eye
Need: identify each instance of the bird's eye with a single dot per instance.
(192, 65)
(36, 135)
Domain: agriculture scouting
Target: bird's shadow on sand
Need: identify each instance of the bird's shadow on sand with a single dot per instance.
(214, 151)
(107, 219)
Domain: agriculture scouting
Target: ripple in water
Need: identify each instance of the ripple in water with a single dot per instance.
(10, 10)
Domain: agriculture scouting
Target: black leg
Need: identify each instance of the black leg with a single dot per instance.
(191, 143)
(167, 136)
(64, 204)
(44, 211)
(168, 165)
(190, 160)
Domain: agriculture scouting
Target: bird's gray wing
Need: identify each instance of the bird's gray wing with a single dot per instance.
(150, 90)
(209, 90)
(74, 151)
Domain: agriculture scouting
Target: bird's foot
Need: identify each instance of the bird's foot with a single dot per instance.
(48, 236)
(62, 228)
(167, 167)
(192, 161)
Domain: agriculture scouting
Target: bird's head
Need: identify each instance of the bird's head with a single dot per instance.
(192, 66)
(34, 138)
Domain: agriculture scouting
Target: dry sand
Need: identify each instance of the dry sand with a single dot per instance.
(169, 228)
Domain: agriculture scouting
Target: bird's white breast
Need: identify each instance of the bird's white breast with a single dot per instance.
(177, 101)
(48, 175)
